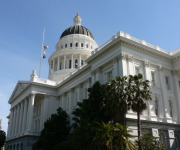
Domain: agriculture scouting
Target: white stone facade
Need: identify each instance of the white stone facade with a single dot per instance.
(33, 102)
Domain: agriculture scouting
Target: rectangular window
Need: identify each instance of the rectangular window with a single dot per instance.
(81, 44)
(156, 106)
(86, 45)
(136, 70)
(152, 78)
(109, 76)
(170, 108)
(70, 44)
(167, 83)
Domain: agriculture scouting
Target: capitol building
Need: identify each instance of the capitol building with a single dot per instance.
(77, 63)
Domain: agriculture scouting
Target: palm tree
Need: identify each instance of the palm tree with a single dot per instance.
(139, 93)
(113, 136)
(116, 99)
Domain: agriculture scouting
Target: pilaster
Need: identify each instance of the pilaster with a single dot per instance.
(164, 95)
(176, 100)
(123, 64)
(98, 75)
(58, 64)
(115, 67)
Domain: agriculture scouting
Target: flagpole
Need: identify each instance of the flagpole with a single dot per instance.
(41, 53)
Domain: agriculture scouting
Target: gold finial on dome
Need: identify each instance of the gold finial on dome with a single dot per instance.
(77, 19)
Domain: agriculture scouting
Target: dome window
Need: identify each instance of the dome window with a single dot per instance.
(65, 45)
(70, 44)
(81, 62)
(76, 63)
(70, 64)
(86, 45)
(81, 44)
(76, 44)
(60, 66)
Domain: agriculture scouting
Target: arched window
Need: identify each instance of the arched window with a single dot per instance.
(70, 64)
(81, 62)
(76, 63)
(60, 65)
(156, 106)
(76, 44)
(51, 66)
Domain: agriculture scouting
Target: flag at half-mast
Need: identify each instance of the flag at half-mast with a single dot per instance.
(44, 54)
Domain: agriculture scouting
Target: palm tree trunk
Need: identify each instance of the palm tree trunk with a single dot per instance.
(139, 129)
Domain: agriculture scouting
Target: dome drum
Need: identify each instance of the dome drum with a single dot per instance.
(73, 48)
(76, 41)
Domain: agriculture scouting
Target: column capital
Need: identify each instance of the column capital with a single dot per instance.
(32, 94)
(160, 67)
(123, 55)
(146, 63)
(130, 57)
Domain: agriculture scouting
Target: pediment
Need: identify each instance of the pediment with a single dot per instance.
(18, 89)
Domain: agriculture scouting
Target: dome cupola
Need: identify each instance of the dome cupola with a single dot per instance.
(77, 20)
(77, 28)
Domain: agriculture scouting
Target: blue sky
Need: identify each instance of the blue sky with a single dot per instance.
(22, 22)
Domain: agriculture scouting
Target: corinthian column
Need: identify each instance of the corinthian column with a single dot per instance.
(30, 112)
(25, 115)
(20, 118)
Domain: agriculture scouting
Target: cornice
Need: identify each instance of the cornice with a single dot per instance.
(143, 46)
(69, 52)
(25, 89)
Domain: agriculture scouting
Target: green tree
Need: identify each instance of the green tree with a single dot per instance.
(148, 142)
(88, 112)
(116, 99)
(55, 130)
(2, 138)
(113, 136)
(139, 93)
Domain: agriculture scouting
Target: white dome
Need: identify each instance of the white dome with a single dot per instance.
(71, 52)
